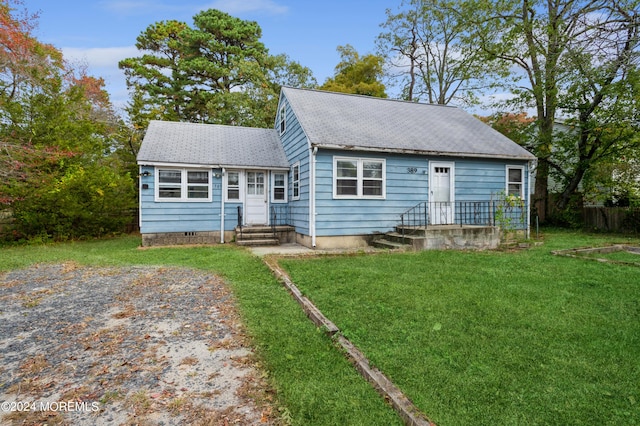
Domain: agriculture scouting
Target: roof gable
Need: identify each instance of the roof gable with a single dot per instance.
(211, 145)
(343, 121)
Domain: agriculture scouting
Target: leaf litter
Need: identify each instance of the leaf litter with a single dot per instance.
(136, 345)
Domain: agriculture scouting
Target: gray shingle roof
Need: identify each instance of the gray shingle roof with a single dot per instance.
(210, 144)
(361, 122)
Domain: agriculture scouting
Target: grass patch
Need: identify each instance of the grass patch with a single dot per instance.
(493, 337)
(618, 256)
(624, 256)
(314, 383)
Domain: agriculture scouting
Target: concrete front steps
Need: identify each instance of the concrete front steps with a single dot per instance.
(256, 236)
(396, 241)
(265, 235)
(441, 237)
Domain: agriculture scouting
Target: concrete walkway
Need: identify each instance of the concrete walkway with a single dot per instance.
(282, 249)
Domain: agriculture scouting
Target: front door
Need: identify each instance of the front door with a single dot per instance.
(441, 193)
(256, 198)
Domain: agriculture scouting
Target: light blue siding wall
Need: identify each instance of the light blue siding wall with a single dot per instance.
(404, 189)
(159, 217)
(296, 147)
(230, 215)
(483, 180)
(407, 184)
(479, 179)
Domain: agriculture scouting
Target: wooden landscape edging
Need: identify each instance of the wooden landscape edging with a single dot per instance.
(409, 413)
(580, 253)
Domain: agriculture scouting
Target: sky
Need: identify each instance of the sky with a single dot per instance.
(99, 33)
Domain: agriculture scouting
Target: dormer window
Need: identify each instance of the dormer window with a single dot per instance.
(283, 121)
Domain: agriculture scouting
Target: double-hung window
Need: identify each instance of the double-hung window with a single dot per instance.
(295, 181)
(183, 185)
(278, 187)
(232, 187)
(515, 181)
(358, 177)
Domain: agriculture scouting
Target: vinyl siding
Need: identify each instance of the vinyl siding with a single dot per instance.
(407, 184)
(296, 148)
(179, 216)
(364, 216)
(479, 180)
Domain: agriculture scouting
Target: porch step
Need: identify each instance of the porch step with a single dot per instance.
(395, 240)
(391, 245)
(256, 236)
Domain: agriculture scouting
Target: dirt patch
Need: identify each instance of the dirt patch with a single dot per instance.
(138, 345)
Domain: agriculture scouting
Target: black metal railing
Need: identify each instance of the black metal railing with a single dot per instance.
(279, 215)
(239, 236)
(506, 214)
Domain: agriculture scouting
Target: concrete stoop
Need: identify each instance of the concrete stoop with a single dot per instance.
(255, 236)
(441, 237)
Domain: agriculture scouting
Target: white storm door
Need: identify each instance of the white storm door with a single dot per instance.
(256, 198)
(441, 193)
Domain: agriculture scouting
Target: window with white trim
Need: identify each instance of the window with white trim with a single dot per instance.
(358, 177)
(295, 181)
(515, 181)
(278, 187)
(232, 186)
(183, 185)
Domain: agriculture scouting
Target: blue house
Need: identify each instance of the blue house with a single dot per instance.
(335, 171)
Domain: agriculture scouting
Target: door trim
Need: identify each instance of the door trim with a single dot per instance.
(265, 198)
(450, 215)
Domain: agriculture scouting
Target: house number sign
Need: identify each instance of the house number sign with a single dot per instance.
(412, 170)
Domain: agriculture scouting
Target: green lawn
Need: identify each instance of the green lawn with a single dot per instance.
(488, 338)
(315, 384)
(617, 256)
(472, 338)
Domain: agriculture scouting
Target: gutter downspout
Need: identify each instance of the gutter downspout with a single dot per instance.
(140, 197)
(312, 197)
(529, 174)
(222, 207)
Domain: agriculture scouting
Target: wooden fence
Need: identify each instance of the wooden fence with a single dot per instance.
(6, 220)
(614, 219)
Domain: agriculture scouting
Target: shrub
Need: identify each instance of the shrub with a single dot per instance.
(85, 202)
(631, 221)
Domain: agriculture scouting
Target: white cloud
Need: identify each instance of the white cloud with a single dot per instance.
(99, 57)
(242, 6)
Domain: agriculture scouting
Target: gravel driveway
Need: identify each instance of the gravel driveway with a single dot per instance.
(111, 346)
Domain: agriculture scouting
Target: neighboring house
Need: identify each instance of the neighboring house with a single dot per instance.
(337, 168)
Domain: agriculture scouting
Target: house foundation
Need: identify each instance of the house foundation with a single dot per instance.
(442, 237)
(184, 238)
(337, 242)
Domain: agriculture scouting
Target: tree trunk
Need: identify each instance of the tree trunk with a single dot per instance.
(570, 189)
(541, 189)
